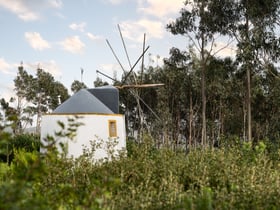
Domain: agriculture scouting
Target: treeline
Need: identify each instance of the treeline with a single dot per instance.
(207, 98)
(172, 113)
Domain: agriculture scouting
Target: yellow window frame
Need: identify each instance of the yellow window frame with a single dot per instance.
(112, 124)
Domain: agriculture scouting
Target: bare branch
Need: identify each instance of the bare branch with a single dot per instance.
(229, 42)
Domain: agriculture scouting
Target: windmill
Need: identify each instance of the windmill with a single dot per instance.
(131, 83)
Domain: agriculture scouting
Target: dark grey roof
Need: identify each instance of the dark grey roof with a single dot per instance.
(83, 102)
(109, 95)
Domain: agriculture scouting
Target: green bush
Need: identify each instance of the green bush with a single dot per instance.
(28, 142)
(8, 144)
(146, 178)
(5, 147)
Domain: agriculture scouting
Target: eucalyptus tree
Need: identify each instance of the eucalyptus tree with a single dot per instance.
(180, 97)
(197, 25)
(99, 82)
(23, 86)
(256, 23)
(225, 99)
(252, 23)
(38, 94)
(266, 103)
(148, 100)
(77, 85)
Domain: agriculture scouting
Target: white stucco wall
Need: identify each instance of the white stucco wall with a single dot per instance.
(95, 128)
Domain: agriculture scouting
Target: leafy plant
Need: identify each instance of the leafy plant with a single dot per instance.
(243, 177)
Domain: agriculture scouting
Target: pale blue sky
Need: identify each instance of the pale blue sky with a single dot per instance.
(63, 36)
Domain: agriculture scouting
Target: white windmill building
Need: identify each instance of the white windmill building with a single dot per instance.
(98, 111)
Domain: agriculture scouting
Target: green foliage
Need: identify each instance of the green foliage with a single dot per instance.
(244, 177)
(77, 85)
(28, 142)
(26, 166)
(99, 82)
(5, 148)
(9, 144)
(41, 92)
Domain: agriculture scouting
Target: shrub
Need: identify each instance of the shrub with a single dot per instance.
(28, 142)
(244, 177)
(8, 144)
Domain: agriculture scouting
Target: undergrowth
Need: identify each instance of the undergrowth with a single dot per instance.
(243, 177)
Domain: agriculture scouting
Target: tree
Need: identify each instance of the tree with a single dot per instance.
(180, 77)
(39, 94)
(224, 99)
(77, 85)
(252, 23)
(52, 92)
(195, 23)
(23, 88)
(10, 116)
(99, 82)
(256, 18)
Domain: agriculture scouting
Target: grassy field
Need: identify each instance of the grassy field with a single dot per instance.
(237, 177)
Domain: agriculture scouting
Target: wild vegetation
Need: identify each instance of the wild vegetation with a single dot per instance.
(208, 139)
(241, 176)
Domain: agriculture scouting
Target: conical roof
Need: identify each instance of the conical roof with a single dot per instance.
(83, 102)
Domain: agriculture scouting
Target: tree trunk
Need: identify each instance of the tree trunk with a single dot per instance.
(203, 94)
(203, 132)
(244, 119)
(190, 122)
(248, 72)
(249, 118)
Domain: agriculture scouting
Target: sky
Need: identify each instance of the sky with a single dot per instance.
(64, 36)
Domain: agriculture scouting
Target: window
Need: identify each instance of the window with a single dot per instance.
(112, 128)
